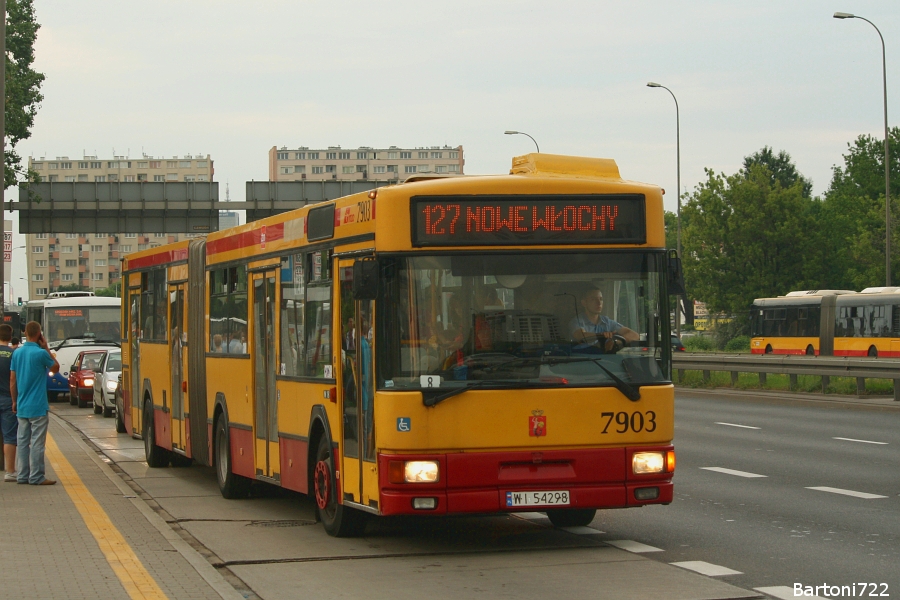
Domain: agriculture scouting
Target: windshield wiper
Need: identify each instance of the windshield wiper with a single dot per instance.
(631, 393)
(484, 383)
(627, 390)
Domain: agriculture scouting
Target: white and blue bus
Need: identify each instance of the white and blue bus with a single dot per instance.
(72, 322)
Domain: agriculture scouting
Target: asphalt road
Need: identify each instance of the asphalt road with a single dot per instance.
(757, 513)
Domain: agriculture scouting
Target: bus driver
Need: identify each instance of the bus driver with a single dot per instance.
(591, 327)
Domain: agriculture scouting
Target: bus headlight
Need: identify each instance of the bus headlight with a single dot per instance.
(111, 386)
(414, 471)
(648, 462)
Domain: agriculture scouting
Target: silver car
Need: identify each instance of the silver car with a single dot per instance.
(106, 382)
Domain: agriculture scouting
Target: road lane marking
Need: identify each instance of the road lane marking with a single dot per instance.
(863, 495)
(582, 530)
(632, 546)
(782, 592)
(136, 580)
(705, 568)
(861, 441)
(732, 472)
(736, 425)
(530, 516)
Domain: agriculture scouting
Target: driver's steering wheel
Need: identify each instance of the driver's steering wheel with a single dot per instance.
(618, 342)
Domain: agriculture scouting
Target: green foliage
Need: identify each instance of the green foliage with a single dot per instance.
(111, 291)
(852, 215)
(748, 236)
(23, 85)
(699, 343)
(739, 344)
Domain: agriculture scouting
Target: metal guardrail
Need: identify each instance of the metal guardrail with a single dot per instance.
(791, 365)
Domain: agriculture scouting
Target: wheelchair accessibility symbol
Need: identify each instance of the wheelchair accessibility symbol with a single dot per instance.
(404, 423)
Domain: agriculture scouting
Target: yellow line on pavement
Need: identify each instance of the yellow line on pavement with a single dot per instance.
(124, 562)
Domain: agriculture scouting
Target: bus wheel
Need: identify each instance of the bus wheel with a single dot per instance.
(338, 520)
(156, 457)
(810, 351)
(873, 352)
(769, 349)
(52, 397)
(573, 517)
(232, 486)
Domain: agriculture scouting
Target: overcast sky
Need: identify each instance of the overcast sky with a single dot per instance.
(234, 78)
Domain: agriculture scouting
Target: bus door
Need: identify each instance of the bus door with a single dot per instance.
(177, 352)
(360, 475)
(262, 353)
(132, 400)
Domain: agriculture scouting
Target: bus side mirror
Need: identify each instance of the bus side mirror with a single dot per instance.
(366, 274)
(675, 275)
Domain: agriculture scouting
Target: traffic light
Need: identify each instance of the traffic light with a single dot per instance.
(20, 300)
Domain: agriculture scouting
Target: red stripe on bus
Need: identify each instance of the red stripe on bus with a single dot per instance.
(245, 239)
(158, 259)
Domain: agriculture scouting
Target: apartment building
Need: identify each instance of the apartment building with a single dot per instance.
(378, 164)
(92, 260)
(124, 168)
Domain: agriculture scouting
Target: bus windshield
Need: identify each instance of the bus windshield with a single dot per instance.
(523, 319)
(76, 321)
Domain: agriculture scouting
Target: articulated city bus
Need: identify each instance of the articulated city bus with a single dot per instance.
(428, 357)
(828, 323)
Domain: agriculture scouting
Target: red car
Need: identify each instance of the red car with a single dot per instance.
(81, 377)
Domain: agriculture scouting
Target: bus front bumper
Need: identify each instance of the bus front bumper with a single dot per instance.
(493, 482)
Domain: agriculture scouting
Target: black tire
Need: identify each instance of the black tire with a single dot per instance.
(120, 422)
(810, 351)
(82, 403)
(107, 412)
(338, 520)
(572, 517)
(97, 409)
(156, 457)
(73, 398)
(768, 349)
(231, 485)
(873, 352)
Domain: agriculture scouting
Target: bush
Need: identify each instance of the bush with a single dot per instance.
(739, 344)
(699, 343)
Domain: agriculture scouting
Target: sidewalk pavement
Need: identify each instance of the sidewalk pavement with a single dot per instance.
(61, 541)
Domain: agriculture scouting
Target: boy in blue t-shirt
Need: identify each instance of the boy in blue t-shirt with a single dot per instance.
(9, 425)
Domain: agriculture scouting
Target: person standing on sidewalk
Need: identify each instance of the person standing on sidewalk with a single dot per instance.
(8, 424)
(28, 384)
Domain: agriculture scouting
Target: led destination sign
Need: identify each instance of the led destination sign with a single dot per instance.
(488, 220)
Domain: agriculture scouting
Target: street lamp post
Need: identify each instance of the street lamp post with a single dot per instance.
(678, 183)
(887, 164)
(523, 133)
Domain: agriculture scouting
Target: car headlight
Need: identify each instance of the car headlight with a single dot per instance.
(414, 471)
(88, 382)
(648, 462)
(111, 386)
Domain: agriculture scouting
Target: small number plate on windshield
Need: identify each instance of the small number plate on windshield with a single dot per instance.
(558, 498)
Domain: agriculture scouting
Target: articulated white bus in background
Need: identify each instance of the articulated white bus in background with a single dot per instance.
(72, 322)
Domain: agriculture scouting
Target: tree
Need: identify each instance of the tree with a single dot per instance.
(748, 236)
(853, 214)
(72, 287)
(781, 169)
(112, 291)
(23, 85)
